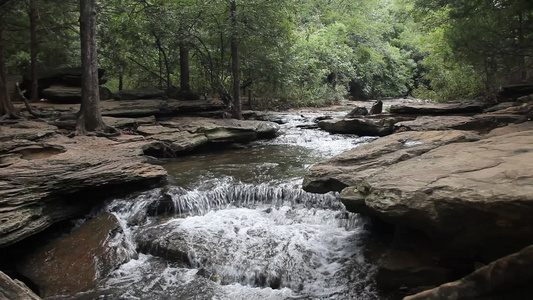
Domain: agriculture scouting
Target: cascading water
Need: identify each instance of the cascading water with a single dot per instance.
(237, 225)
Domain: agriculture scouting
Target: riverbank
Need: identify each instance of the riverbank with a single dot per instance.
(454, 185)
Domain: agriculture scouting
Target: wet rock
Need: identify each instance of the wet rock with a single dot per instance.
(74, 263)
(357, 112)
(353, 167)
(140, 93)
(506, 278)
(500, 106)
(53, 178)
(128, 122)
(15, 289)
(438, 108)
(371, 126)
(473, 196)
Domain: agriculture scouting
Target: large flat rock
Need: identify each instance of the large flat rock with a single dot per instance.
(143, 108)
(15, 289)
(46, 177)
(438, 108)
(476, 196)
(356, 165)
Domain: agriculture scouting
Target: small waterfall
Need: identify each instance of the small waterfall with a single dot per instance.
(238, 226)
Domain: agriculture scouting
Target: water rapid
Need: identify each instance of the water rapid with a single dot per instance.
(237, 225)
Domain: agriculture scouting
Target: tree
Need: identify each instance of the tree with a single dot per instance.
(34, 49)
(89, 116)
(235, 70)
(6, 106)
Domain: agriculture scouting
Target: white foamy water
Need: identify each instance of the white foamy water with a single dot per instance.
(237, 225)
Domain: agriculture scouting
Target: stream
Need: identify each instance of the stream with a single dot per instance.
(237, 225)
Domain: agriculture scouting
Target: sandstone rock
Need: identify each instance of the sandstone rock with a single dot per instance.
(473, 196)
(354, 166)
(54, 178)
(507, 278)
(14, 289)
(74, 263)
(357, 112)
(438, 108)
(515, 91)
(370, 126)
(68, 94)
(128, 122)
(141, 93)
(425, 123)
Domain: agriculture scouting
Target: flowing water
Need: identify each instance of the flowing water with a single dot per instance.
(237, 225)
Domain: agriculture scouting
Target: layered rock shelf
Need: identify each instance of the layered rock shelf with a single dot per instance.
(46, 177)
(456, 184)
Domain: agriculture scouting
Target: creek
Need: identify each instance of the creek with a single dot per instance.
(244, 228)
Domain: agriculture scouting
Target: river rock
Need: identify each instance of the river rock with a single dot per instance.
(371, 126)
(515, 91)
(74, 263)
(140, 93)
(507, 278)
(474, 196)
(376, 108)
(15, 289)
(357, 112)
(49, 179)
(354, 166)
(438, 108)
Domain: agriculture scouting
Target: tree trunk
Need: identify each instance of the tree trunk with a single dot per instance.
(235, 70)
(6, 107)
(121, 78)
(185, 81)
(34, 50)
(89, 116)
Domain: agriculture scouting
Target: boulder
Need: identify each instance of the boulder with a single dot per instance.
(68, 94)
(183, 134)
(354, 166)
(357, 112)
(515, 91)
(425, 123)
(15, 289)
(377, 108)
(46, 178)
(370, 126)
(438, 108)
(507, 278)
(140, 93)
(74, 263)
(473, 196)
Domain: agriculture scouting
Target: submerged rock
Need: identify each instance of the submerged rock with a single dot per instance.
(75, 263)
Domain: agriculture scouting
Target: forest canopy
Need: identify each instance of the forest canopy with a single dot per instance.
(290, 52)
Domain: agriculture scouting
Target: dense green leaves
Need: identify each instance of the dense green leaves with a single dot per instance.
(293, 52)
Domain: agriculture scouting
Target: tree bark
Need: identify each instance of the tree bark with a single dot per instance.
(185, 81)
(89, 116)
(121, 78)
(34, 50)
(6, 106)
(235, 70)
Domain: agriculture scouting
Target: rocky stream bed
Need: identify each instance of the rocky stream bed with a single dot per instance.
(451, 183)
